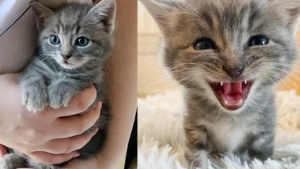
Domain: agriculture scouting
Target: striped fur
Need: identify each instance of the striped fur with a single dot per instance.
(248, 131)
(47, 81)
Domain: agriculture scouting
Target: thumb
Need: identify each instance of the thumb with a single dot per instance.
(2, 151)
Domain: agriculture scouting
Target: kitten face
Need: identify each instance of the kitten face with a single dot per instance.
(76, 34)
(63, 46)
(227, 49)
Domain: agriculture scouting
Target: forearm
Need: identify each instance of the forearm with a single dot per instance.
(7, 81)
(122, 85)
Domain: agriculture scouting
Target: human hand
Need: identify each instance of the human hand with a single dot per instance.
(51, 136)
(79, 164)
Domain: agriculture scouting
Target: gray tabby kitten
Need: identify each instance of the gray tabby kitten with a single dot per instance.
(74, 40)
(228, 55)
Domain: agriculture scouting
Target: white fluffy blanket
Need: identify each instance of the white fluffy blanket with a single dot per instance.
(161, 138)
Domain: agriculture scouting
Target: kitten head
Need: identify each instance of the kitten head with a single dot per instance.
(228, 50)
(76, 34)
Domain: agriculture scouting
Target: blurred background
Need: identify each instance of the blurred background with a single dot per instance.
(152, 77)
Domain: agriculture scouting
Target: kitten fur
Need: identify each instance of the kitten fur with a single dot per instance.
(48, 81)
(210, 128)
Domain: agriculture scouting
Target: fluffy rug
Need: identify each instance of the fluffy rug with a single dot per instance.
(161, 138)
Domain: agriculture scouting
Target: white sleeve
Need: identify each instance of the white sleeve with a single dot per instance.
(17, 35)
(11, 10)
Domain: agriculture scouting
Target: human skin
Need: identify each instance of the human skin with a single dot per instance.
(122, 80)
(45, 134)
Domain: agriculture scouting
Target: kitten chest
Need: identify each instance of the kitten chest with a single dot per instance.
(227, 136)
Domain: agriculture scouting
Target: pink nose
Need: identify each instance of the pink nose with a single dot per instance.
(66, 57)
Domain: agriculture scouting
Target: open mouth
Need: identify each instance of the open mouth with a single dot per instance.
(232, 95)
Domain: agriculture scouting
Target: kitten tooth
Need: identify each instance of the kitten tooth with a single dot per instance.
(221, 83)
(226, 102)
(240, 102)
(246, 82)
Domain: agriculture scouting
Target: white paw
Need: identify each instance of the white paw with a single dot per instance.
(35, 99)
(4, 164)
(10, 161)
(59, 97)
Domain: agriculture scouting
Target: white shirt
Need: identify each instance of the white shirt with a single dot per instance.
(17, 35)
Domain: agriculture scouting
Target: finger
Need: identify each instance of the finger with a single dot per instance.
(76, 125)
(3, 151)
(47, 158)
(78, 104)
(68, 145)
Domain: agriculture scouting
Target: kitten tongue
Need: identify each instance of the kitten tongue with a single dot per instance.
(233, 93)
(232, 88)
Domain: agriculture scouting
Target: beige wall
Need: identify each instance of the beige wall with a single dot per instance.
(152, 78)
(293, 81)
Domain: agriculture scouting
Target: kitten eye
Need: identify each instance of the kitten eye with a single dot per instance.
(204, 44)
(82, 41)
(258, 41)
(54, 39)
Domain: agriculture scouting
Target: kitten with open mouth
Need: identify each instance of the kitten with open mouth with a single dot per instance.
(228, 56)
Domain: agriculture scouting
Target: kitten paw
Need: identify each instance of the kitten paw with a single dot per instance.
(59, 96)
(197, 159)
(4, 164)
(34, 97)
(11, 161)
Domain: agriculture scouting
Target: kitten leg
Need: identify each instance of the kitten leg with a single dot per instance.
(12, 161)
(196, 152)
(263, 147)
(60, 92)
(35, 165)
(34, 91)
(196, 159)
(244, 157)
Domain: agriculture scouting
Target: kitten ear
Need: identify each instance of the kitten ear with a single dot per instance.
(105, 12)
(291, 9)
(163, 11)
(42, 14)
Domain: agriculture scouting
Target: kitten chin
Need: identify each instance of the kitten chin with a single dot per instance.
(72, 63)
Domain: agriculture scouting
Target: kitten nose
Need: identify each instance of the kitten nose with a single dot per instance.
(234, 72)
(66, 57)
